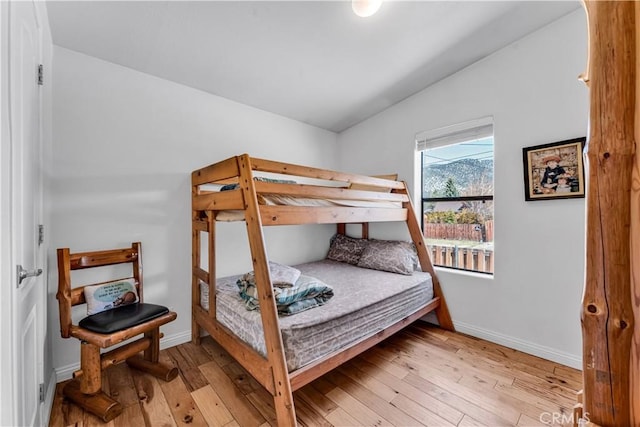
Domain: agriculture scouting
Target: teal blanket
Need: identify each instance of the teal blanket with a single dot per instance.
(306, 293)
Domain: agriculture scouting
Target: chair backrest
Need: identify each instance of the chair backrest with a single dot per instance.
(67, 262)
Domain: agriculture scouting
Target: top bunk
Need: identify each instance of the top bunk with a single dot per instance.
(288, 194)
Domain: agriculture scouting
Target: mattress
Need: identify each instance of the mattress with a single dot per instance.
(365, 301)
(284, 200)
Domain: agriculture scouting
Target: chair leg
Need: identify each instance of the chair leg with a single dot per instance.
(152, 354)
(87, 391)
(150, 362)
(99, 404)
(90, 363)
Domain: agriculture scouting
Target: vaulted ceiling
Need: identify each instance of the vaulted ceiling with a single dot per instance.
(312, 61)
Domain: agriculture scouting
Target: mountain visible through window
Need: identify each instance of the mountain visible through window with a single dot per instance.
(457, 204)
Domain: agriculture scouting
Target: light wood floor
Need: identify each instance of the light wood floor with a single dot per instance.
(421, 376)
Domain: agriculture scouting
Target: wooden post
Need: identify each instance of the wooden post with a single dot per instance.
(91, 381)
(195, 263)
(634, 364)
(211, 221)
(442, 312)
(481, 260)
(607, 314)
(283, 395)
(468, 264)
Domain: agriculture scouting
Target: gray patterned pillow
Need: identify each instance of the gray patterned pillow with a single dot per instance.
(346, 249)
(389, 255)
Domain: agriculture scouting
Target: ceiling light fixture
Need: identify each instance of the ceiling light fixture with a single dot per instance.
(365, 8)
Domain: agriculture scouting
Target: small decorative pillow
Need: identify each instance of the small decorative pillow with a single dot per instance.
(106, 296)
(282, 276)
(392, 177)
(389, 255)
(346, 249)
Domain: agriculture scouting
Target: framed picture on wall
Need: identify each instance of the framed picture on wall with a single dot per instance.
(554, 171)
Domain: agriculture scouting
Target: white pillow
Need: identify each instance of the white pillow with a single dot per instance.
(106, 296)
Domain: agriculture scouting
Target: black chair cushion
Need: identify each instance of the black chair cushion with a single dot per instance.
(117, 319)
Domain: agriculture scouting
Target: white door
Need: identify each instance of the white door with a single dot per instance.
(26, 210)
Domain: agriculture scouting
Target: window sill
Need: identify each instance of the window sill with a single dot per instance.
(475, 275)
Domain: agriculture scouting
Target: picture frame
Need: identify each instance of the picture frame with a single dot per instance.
(554, 171)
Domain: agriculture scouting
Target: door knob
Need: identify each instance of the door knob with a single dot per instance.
(22, 274)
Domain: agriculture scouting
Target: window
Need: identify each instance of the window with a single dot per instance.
(457, 195)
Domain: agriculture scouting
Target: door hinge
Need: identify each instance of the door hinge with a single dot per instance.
(40, 74)
(40, 234)
(41, 392)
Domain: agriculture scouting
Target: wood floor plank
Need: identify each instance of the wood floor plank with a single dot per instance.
(418, 412)
(539, 402)
(191, 375)
(211, 406)
(522, 370)
(307, 416)
(438, 404)
(263, 402)
(241, 378)
(56, 418)
(315, 399)
(235, 401)
(467, 421)
(382, 363)
(569, 373)
(364, 415)
(376, 386)
(545, 388)
(421, 376)
(215, 351)
(504, 405)
(323, 385)
(377, 404)
(183, 407)
(72, 414)
(121, 385)
(155, 408)
(526, 421)
(340, 418)
(131, 417)
(456, 362)
(461, 403)
(474, 381)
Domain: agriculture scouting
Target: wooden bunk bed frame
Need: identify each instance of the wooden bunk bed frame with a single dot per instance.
(271, 372)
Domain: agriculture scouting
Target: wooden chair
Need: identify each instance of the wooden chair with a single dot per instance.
(108, 328)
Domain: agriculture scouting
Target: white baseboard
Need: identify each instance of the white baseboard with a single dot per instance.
(564, 358)
(64, 373)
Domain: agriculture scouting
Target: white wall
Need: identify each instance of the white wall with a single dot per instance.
(531, 89)
(124, 146)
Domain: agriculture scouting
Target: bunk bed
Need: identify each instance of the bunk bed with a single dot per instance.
(307, 195)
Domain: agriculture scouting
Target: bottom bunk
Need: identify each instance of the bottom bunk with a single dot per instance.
(367, 306)
(364, 303)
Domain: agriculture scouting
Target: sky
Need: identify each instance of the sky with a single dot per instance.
(481, 149)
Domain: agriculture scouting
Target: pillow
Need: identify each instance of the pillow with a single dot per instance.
(346, 249)
(106, 296)
(389, 255)
(364, 187)
(282, 276)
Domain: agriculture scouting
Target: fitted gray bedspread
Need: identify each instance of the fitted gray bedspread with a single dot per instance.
(365, 301)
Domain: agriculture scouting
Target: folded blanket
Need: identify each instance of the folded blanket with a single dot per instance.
(282, 276)
(308, 292)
